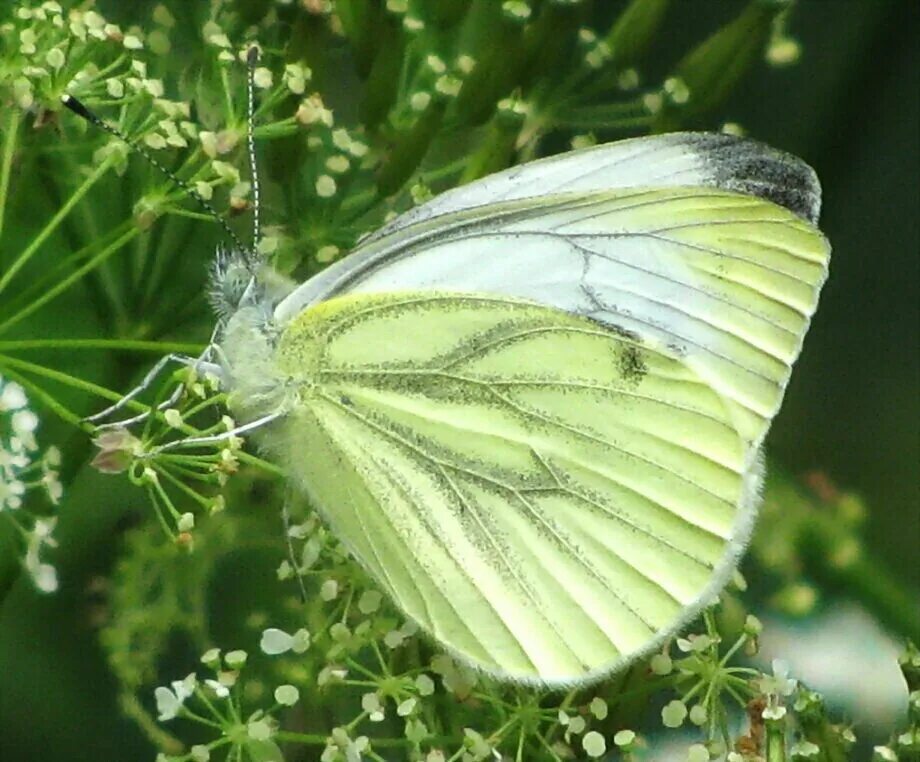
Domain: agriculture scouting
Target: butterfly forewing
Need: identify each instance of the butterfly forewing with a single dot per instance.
(725, 281)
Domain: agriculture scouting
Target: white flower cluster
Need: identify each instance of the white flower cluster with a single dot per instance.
(22, 470)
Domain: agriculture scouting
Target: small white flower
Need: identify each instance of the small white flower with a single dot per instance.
(674, 714)
(313, 111)
(287, 695)
(55, 58)
(262, 78)
(406, 707)
(779, 683)
(774, 713)
(204, 190)
(329, 590)
(804, 749)
(575, 726)
(420, 100)
(155, 140)
(370, 703)
(594, 744)
(325, 186)
(220, 690)
(275, 641)
(259, 730)
(296, 78)
(23, 423)
(154, 87)
(169, 700)
(661, 664)
(27, 42)
(11, 492)
(598, 707)
(338, 164)
(44, 576)
(168, 704)
(424, 685)
(369, 602)
(698, 715)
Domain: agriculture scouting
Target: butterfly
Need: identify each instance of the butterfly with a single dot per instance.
(533, 408)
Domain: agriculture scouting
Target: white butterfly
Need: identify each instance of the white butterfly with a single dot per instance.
(533, 408)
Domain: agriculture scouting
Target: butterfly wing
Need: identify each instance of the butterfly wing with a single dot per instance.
(546, 497)
(675, 160)
(550, 502)
(728, 282)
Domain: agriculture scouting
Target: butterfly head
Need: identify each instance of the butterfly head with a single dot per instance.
(233, 282)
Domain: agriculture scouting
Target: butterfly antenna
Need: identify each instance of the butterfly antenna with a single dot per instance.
(252, 58)
(78, 108)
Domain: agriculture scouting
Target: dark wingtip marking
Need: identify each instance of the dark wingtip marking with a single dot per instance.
(751, 167)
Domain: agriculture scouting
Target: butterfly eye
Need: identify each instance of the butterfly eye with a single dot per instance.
(230, 280)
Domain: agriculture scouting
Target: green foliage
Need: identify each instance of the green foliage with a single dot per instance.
(364, 108)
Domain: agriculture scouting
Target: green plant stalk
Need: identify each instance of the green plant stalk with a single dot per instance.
(68, 380)
(634, 29)
(53, 223)
(603, 116)
(776, 741)
(86, 212)
(71, 279)
(10, 133)
(114, 345)
(49, 400)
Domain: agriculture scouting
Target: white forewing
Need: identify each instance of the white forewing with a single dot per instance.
(676, 159)
(704, 243)
(680, 159)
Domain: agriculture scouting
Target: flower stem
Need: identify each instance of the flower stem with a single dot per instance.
(10, 132)
(69, 280)
(112, 345)
(53, 223)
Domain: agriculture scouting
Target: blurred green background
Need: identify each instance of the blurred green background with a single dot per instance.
(850, 107)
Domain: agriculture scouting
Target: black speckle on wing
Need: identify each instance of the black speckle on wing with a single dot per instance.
(632, 366)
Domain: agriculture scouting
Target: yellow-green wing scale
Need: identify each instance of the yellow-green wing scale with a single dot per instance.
(545, 496)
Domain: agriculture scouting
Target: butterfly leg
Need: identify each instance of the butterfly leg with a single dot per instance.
(223, 436)
(199, 363)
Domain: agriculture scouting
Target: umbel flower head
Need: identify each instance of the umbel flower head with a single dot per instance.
(27, 475)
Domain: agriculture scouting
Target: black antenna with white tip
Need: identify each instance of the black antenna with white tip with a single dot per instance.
(252, 56)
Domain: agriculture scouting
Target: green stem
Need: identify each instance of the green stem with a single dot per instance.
(69, 280)
(10, 132)
(67, 380)
(113, 345)
(47, 399)
(776, 741)
(53, 223)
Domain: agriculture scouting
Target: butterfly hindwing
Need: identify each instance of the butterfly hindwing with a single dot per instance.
(546, 496)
